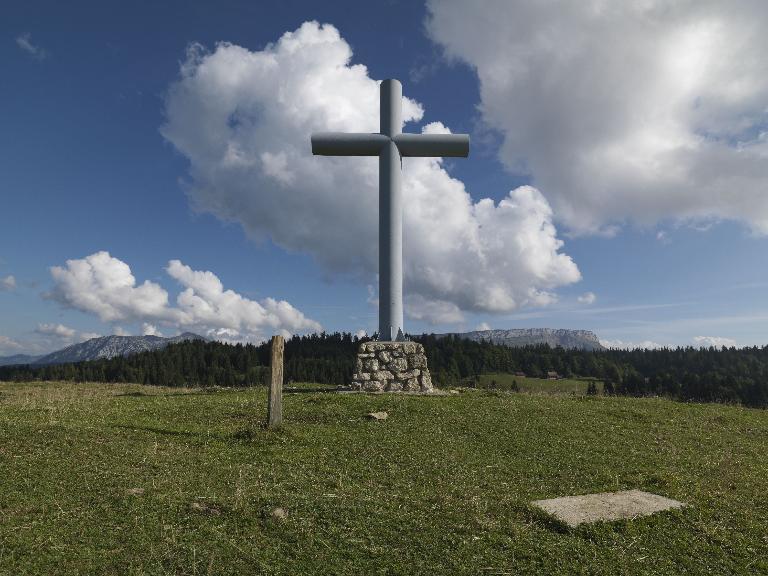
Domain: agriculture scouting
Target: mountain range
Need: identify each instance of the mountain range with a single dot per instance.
(578, 339)
(111, 346)
(103, 347)
(18, 359)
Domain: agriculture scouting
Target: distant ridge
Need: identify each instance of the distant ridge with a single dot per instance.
(575, 339)
(111, 346)
(17, 359)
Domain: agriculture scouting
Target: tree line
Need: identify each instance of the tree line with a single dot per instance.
(321, 358)
(685, 373)
(697, 374)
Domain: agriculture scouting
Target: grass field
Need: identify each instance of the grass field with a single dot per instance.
(121, 479)
(537, 385)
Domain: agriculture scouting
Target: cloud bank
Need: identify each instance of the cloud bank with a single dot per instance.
(716, 341)
(102, 285)
(243, 120)
(626, 345)
(638, 111)
(9, 345)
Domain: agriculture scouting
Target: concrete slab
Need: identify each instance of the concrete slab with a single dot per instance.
(606, 506)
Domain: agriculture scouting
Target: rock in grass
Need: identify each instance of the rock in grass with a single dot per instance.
(204, 508)
(279, 513)
(378, 415)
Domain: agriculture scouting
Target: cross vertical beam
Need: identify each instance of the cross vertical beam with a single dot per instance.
(390, 215)
(390, 145)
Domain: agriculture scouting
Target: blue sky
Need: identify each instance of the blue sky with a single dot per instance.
(646, 227)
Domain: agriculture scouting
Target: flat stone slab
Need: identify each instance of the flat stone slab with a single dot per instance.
(606, 506)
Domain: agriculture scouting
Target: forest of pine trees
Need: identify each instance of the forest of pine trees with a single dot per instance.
(697, 374)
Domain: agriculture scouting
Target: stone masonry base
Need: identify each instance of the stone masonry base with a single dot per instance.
(391, 367)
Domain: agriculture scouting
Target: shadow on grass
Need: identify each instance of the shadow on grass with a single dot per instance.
(157, 430)
(248, 434)
(260, 433)
(139, 394)
(313, 390)
(538, 517)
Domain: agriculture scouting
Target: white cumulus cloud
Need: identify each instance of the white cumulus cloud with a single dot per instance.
(148, 329)
(8, 283)
(57, 335)
(482, 327)
(103, 285)
(716, 341)
(58, 330)
(618, 111)
(9, 345)
(243, 119)
(587, 298)
(205, 302)
(432, 311)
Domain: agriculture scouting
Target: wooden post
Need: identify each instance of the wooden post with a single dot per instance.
(275, 405)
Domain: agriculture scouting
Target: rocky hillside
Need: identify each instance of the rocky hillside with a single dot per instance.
(111, 346)
(578, 339)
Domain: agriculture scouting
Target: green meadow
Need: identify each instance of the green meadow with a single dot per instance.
(128, 479)
(506, 382)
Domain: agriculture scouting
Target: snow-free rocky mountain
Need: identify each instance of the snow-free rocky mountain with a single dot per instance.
(577, 339)
(104, 347)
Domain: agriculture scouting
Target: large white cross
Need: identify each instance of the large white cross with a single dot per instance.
(390, 145)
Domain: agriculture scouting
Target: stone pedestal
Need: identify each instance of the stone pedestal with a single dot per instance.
(391, 367)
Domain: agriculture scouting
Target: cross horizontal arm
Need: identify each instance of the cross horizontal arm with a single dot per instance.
(345, 144)
(456, 145)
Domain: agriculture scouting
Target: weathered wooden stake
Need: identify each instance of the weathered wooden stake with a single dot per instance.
(275, 405)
